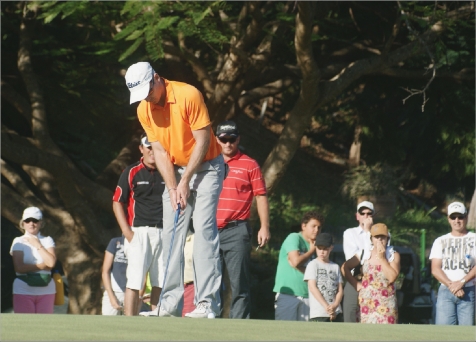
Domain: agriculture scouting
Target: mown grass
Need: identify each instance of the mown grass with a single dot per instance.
(22, 327)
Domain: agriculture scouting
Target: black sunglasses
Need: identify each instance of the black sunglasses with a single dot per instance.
(225, 140)
(368, 214)
(456, 216)
(28, 220)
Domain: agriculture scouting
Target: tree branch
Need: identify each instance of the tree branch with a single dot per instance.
(15, 180)
(197, 66)
(20, 150)
(39, 124)
(109, 176)
(16, 100)
(371, 65)
(266, 90)
(465, 74)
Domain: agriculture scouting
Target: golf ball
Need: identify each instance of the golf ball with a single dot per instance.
(211, 315)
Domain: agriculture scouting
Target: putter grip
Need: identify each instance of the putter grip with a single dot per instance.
(177, 213)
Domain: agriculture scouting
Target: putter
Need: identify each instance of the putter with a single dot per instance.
(177, 213)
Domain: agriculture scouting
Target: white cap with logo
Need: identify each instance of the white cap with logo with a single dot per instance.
(366, 204)
(456, 207)
(138, 77)
(145, 142)
(32, 212)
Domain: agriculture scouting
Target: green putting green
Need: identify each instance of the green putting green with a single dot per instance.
(23, 327)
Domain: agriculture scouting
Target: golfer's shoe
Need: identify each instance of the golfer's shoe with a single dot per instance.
(201, 311)
(154, 313)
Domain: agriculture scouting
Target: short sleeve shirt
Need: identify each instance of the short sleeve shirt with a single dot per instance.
(119, 264)
(354, 241)
(172, 125)
(32, 256)
(244, 181)
(327, 277)
(141, 189)
(288, 279)
(457, 254)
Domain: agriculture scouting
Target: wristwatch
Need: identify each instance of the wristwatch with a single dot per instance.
(463, 281)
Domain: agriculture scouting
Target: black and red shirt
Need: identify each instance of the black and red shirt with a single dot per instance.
(141, 188)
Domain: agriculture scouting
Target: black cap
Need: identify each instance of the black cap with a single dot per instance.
(227, 128)
(323, 239)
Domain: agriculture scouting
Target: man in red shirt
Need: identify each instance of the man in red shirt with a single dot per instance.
(244, 181)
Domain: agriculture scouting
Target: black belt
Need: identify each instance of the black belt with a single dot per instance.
(234, 223)
(153, 225)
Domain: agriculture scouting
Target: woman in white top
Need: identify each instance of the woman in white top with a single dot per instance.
(33, 258)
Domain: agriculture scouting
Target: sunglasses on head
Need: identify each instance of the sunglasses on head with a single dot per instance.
(457, 216)
(28, 220)
(226, 140)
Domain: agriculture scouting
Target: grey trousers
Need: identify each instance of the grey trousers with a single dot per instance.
(235, 255)
(205, 186)
(351, 303)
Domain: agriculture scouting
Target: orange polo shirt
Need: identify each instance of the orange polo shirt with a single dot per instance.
(184, 111)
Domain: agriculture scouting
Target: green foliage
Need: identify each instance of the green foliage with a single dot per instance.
(154, 22)
(285, 213)
(75, 59)
(365, 180)
(406, 227)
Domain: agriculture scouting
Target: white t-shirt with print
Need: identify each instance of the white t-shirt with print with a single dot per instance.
(327, 277)
(32, 256)
(457, 254)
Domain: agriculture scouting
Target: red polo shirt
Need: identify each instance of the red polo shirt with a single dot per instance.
(244, 181)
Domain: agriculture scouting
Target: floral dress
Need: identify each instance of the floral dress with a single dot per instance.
(377, 298)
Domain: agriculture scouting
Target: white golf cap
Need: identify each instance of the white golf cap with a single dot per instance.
(32, 212)
(456, 207)
(138, 77)
(145, 142)
(365, 204)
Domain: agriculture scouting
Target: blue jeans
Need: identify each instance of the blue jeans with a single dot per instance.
(205, 188)
(451, 310)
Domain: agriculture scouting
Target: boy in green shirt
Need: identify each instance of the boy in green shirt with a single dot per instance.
(292, 296)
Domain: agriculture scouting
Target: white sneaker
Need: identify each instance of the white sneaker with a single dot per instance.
(201, 311)
(154, 313)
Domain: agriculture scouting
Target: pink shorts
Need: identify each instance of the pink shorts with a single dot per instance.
(188, 297)
(43, 304)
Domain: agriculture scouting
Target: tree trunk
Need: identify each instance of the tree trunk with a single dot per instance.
(472, 212)
(67, 198)
(300, 116)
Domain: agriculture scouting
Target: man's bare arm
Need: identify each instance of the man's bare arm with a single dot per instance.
(263, 212)
(202, 142)
(166, 169)
(119, 212)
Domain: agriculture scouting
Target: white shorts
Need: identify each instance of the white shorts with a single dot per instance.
(107, 309)
(291, 308)
(144, 254)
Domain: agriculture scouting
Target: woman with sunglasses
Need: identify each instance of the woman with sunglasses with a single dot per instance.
(380, 269)
(33, 258)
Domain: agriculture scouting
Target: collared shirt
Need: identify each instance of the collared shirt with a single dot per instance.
(172, 125)
(244, 181)
(141, 189)
(355, 240)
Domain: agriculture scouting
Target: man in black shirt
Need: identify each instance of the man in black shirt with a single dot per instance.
(137, 205)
